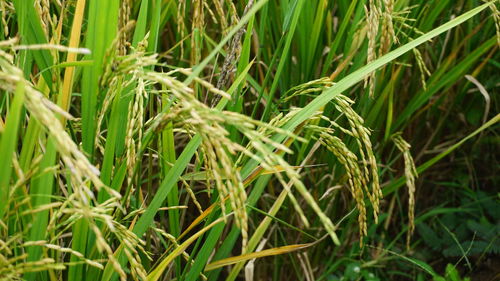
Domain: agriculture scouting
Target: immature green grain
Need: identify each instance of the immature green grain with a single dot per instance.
(387, 35)
(496, 18)
(362, 137)
(270, 161)
(313, 86)
(189, 190)
(44, 111)
(362, 172)
(124, 17)
(410, 176)
(226, 142)
(5, 9)
(10, 43)
(218, 4)
(181, 24)
(197, 29)
(372, 13)
(78, 204)
(196, 117)
(114, 86)
(43, 9)
(355, 176)
(307, 196)
(135, 126)
(422, 67)
(60, 249)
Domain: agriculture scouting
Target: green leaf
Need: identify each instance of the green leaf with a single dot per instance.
(8, 144)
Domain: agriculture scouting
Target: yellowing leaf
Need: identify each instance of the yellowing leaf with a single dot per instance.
(261, 254)
(158, 271)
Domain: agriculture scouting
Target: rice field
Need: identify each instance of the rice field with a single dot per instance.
(249, 140)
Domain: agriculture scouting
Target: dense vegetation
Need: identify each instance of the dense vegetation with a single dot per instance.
(249, 140)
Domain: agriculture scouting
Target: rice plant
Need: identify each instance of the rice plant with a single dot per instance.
(189, 140)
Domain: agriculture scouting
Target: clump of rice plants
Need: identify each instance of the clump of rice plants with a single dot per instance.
(228, 140)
